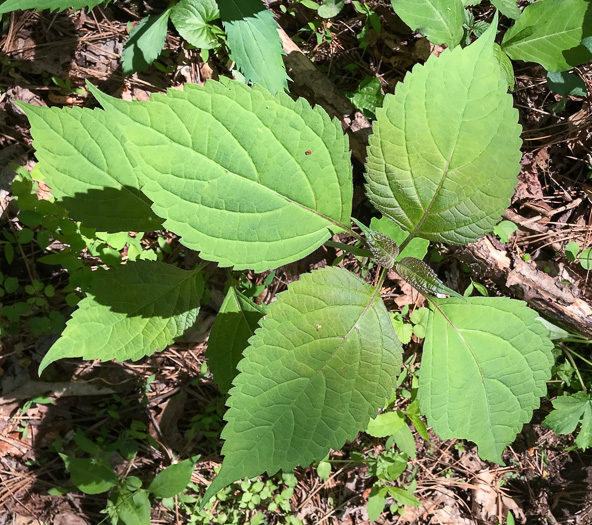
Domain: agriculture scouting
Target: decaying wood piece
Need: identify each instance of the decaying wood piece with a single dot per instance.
(558, 302)
(314, 86)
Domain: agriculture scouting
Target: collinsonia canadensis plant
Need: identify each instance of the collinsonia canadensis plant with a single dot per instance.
(255, 181)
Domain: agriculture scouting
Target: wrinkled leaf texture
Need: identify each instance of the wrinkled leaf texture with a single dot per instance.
(445, 152)
(419, 275)
(322, 363)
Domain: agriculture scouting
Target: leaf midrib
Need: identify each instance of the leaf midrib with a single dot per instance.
(543, 37)
(428, 209)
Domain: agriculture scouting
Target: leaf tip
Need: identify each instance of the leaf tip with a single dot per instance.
(45, 362)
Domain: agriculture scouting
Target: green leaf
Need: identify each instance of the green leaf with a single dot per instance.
(145, 43)
(322, 363)
(504, 229)
(324, 470)
(90, 475)
(420, 318)
(566, 84)
(235, 324)
(485, 365)
(419, 275)
(550, 33)
(572, 250)
(417, 247)
(567, 413)
(510, 518)
(403, 497)
(52, 5)
(376, 502)
(172, 480)
(133, 507)
(445, 152)
(368, 96)
(191, 18)
(240, 187)
(403, 330)
(255, 42)
(505, 65)
(440, 21)
(508, 8)
(405, 441)
(81, 154)
(584, 439)
(385, 424)
(130, 311)
(586, 259)
(330, 8)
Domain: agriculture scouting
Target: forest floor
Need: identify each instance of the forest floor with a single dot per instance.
(167, 406)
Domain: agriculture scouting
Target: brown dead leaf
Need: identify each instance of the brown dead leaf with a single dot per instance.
(68, 518)
(43, 191)
(529, 187)
(442, 508)
(489, 501)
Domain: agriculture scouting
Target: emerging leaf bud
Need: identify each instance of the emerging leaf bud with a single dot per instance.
(419, 275)
(383, 248)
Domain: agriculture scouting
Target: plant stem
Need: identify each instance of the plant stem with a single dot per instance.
(407, 240)
(567, 353)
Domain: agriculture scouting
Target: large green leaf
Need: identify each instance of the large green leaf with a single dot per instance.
(550, 33)
(445, 152)
(235, 324)
(485, 364)
(249, 179)
(323, 362)
(440, 21)
(254, 42)
(145, 43)
(192, 19)
(131, 311)
(39, 5)
(81, 155)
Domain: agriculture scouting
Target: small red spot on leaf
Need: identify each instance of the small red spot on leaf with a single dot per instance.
(308, 152)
